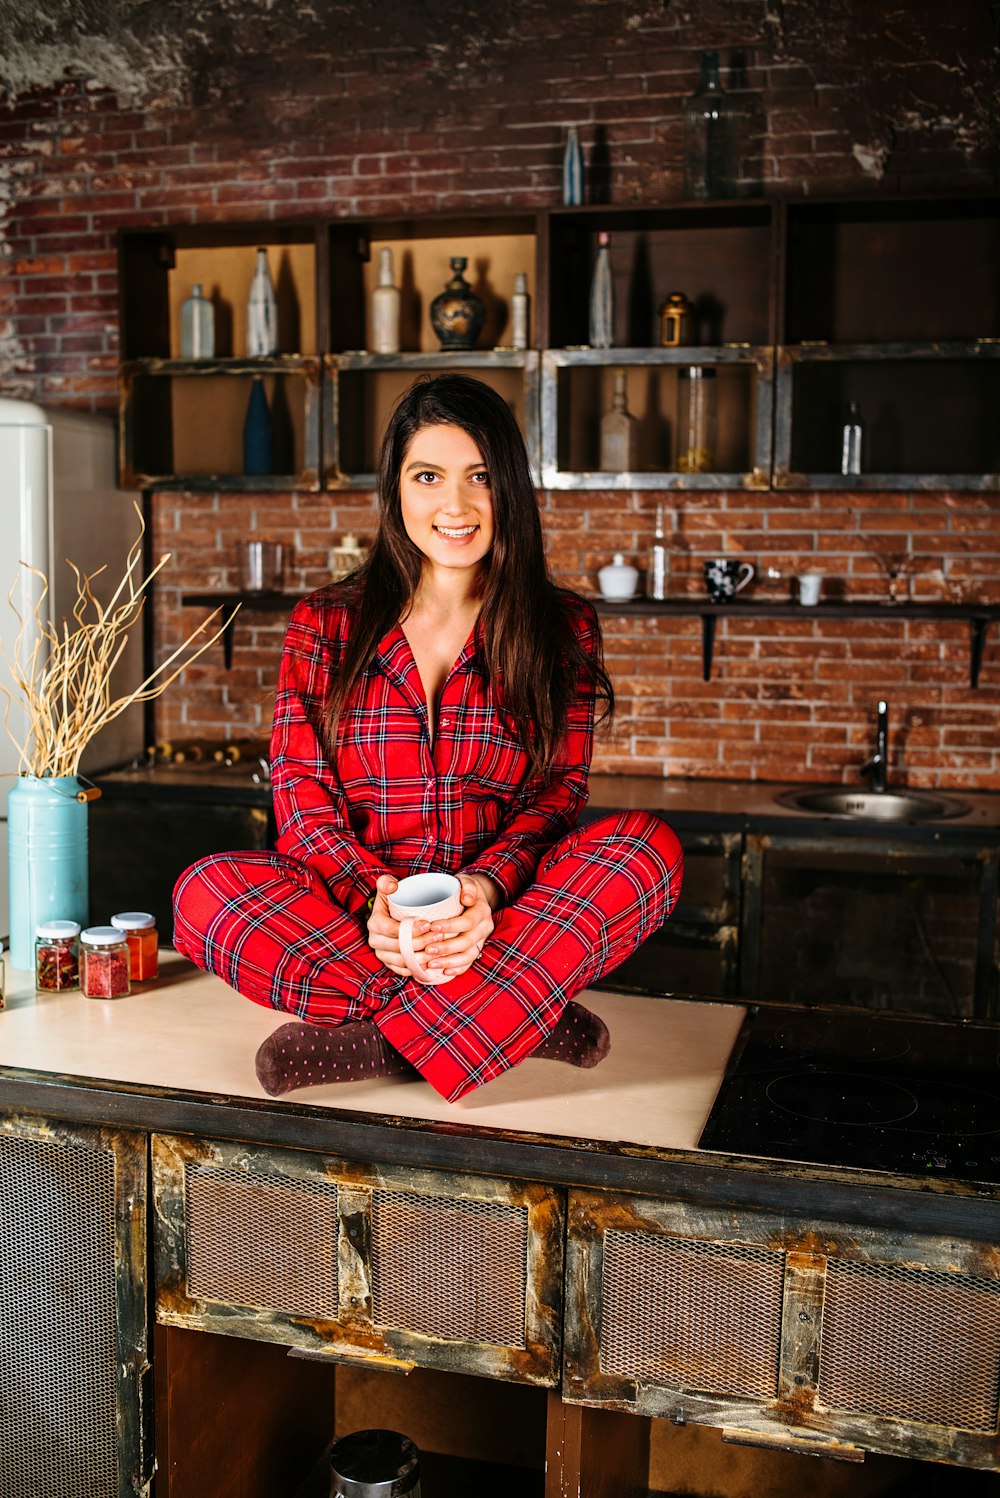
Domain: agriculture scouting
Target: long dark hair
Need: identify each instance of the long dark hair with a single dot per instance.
(524, 638)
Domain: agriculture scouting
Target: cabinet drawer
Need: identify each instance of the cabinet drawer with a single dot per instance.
(395, 1266)
(836, 1339)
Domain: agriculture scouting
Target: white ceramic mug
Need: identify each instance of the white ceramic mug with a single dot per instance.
(809, 586)
(424, 897)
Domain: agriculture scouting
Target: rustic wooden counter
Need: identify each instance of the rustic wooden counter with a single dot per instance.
(557, 1230)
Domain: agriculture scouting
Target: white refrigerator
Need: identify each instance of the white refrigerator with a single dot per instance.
(59, 499)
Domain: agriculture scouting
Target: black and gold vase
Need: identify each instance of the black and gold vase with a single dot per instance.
(457, 314)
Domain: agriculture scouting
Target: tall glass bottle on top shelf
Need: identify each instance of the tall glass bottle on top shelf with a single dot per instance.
(262, 311)
(711, 130)
(602, 296)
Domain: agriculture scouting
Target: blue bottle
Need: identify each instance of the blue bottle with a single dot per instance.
(48, 859)
(258, 435)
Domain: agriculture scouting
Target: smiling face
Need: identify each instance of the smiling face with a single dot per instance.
(445, 496)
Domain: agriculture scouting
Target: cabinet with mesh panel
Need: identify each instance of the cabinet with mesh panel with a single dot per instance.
(74, 1371)
(399, 1267)
(808, 1335)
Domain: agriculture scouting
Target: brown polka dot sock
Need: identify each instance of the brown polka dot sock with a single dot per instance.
(298, 1055)
(580, 1039)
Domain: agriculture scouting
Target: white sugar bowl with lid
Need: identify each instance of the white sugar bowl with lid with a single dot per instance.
(618, 580)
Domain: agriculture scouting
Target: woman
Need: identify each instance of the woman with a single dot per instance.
(435, 711)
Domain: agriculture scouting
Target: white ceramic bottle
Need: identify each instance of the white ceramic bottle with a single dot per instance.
(197, 326)
(262, 311)
(520, 312)
(385, 307)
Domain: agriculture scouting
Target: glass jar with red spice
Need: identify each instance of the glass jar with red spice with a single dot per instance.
(104, 963)
(143, 945)
(57, 958)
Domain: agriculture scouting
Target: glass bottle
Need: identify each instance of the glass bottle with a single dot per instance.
(602, 296)
(656, 574)
(385, 307)
(618, 430)
(197, 326)
(572, 176)
(258, 435)
(696, 414)
(139, 928)
(711, 123)
(104, 963)
(520, 312)
(262, 311)
(850, 445)
(57, 962)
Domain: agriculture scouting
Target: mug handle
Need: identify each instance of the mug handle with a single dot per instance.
(412, 958)
(747, 574)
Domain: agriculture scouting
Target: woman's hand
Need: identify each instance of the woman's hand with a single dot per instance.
(448, 946)
(383, 928)
(453, 945)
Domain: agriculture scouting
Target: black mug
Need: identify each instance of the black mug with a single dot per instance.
(724, 579)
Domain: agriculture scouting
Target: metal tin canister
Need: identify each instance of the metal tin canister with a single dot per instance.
(47, 855)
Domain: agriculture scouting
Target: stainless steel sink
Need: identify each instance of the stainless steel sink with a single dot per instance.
(873, 806)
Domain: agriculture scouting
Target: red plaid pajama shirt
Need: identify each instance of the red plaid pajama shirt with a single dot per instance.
(288, 929)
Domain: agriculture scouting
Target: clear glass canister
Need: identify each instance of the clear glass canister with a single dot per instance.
(696, 418)
(104, 963)
(57, 956)
(139, 928)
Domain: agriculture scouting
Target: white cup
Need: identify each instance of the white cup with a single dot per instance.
(809, 586)
(424, 897)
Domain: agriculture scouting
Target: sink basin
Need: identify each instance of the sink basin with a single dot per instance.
(873, 806)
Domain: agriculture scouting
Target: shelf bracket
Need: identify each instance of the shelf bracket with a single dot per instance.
(707, 645)
(977, 643)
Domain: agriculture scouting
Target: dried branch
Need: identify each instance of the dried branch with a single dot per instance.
(62, 675)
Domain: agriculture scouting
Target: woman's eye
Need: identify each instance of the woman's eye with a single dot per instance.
(426, 477)
(482, 479)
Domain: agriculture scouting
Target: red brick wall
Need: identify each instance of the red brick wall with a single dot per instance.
(429, 109)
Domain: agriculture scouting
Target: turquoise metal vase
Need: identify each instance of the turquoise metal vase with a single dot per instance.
(48, 862)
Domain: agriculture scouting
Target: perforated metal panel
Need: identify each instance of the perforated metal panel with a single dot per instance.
(267, 1241)
(914, 1344)
(58, 1333)
(681, 1311)
(449, 1268)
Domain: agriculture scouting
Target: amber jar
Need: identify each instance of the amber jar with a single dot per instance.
(104, 963)
(139, 929)
(57, 959)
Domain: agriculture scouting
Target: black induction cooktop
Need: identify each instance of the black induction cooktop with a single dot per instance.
(872, 1091)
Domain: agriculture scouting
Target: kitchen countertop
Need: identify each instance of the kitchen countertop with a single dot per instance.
(736, 803)
(190, 1031)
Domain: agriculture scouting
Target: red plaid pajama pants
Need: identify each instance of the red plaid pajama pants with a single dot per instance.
(267, 926)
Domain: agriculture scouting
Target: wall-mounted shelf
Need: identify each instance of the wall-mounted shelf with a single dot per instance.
(576, 391)
(979, 616)
(360, 390)
(261, 603)
(801, 306)
(182, 420)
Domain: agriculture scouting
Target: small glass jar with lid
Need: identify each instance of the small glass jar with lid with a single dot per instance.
(104, 963)
(57, 956)
(139, 928)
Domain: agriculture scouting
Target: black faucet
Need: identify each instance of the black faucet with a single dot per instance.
(877, 767)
